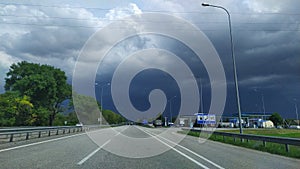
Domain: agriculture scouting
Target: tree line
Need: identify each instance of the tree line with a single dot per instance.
(34, 96)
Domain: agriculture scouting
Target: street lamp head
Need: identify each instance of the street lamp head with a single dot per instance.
(205, 4)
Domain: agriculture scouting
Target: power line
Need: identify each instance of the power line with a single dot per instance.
(241, 25)
(144, 10)
(178, 28)
(106, 19)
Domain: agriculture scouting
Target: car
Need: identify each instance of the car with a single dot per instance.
(79, 124)
(170, 124)
(157, 123)
(294, 127)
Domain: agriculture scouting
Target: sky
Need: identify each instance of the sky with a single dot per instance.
(266, 37)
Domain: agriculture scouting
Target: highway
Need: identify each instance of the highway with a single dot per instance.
(80, 151)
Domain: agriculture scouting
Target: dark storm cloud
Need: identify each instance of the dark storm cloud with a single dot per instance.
(266, 38)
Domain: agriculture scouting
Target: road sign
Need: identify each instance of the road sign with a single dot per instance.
(206, 118)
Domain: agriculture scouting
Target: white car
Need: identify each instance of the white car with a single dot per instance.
(79, 125)
(294, 127)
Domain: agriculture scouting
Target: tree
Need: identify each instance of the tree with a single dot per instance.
(86, 108)
(7, 109)
(61, 118)
(45, 85)
(24, 111)
(112, 117)
(15, 110)
(276, 119)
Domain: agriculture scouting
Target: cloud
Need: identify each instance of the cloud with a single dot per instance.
(47, 32)
(266, 37)
(6, 62)
(121, 12)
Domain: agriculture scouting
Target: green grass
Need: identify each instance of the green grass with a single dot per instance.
(274, 148)
(291, 133)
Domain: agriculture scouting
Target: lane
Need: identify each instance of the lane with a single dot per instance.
(63, 153)
(91, 154)
(39, 142)
(169, 159)
(176, 145)
(229, 156)
(82, 152)
(176, 150)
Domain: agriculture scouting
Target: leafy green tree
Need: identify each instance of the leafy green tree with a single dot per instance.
(87, 108)
(45, 85)
(8, 109)
(89, 111)
(112, 117)
(70, 118)
(24, 111)
(40, 116)
(276, 119)
(15, 110)
(60, 119)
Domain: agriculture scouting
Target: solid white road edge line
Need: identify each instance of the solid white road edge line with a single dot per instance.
(41, 142)
(179, 152)
(192, 152)
(47, 141)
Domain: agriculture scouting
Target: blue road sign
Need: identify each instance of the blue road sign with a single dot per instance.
(206, 118)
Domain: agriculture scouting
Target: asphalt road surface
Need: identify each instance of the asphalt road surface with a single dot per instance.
(123, 147)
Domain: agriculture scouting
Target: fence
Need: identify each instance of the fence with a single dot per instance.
(247, 137)
(16, 134)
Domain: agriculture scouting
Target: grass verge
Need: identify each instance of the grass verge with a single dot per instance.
(274, 148)
(290, 133)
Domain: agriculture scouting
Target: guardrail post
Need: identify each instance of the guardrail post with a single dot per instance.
(57, 131)
(287, 148)
(264, 143)
(64, 131)
(49, 133)
(69, 130)
(27, 135)
(11, 138)
(234, 139)
(39, 134)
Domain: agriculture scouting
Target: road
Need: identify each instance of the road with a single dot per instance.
(80, 151)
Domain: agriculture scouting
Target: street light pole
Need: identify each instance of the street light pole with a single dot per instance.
(263, 105)
(296, 110)
(170, 100)
(262, 102)
(201, 96)
(100, 118)
(234, 64)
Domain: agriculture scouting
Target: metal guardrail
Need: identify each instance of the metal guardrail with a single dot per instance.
(11, 133)
(247, 137)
